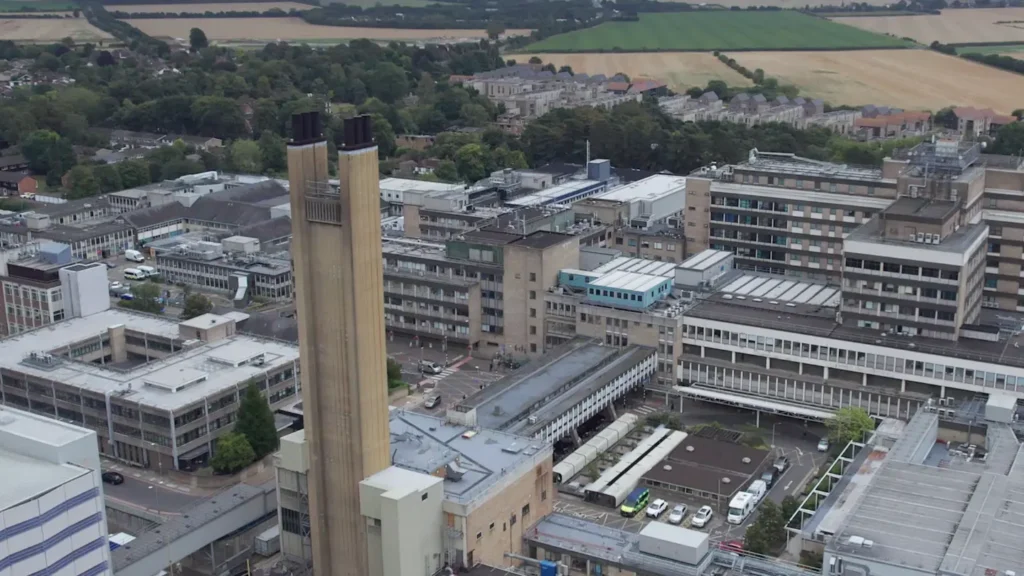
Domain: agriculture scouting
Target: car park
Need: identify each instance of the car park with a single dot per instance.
(823, 445)
(677, 514)
(702, 517)
(657, 508)
(432, 401)
(114, 478)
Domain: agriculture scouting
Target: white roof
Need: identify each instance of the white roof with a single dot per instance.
(675, 534)
(32, 479)
(147, 384)
(628, 281)
(552, 194)
(740, 499)
(406, 184)
(38, 428)
(782, 291)
(649, 189)
(638, 265)
(705, 259)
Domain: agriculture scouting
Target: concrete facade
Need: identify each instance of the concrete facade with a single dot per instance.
(340, 303)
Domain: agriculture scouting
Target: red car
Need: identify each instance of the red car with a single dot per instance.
(731, 546)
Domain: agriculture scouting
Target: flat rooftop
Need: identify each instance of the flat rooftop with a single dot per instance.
(509, 399)
(211, 360)
(408, 184)
(786, 163)
(40, 429)
(33, 477)
(555, 194)
(425, 443)
(923, 513)
(841, 200)
(705, 259)
(820, 320)
(649, 189)
(632, 281)
(637, 265)
(957, 242)
(924, 208)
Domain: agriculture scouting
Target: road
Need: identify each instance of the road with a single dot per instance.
(460, 381)
(140, 493)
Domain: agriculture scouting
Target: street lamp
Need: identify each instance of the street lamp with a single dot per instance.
(773, 434)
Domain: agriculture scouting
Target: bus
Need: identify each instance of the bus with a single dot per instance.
(635, 502)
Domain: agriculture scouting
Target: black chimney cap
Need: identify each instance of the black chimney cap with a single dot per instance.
(306, 128)
(358, 133)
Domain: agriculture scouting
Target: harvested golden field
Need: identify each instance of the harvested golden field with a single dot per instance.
(271, 29)
(910, 79)
(49, 29)
(212, 7)
(951, 27)
(680, 70)
(63, 14)
(785, 4)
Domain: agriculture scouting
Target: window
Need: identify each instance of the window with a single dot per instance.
(533, 330)
(543, 495)
(512, 520)
(533, 276)
(533, 312)
(526, 510)
(423, 498)
(533, 347)
(479, 535)
(492, 526)
(533, 294)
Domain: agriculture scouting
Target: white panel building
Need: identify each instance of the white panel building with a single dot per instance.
(52, 519)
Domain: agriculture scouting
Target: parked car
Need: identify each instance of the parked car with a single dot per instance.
(781, 464)
(657, 508)
(823, 445)
(111, 265)
(770, 475)
(428, 367)
(115, 285)
(731, 546)
(114, 478)
(432, 401)
(702, 517)
(677, 514)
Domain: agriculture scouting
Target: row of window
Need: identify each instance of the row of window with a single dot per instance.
(884, 362)
(906, 269)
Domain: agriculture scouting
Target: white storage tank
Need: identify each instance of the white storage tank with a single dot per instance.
(673, 542)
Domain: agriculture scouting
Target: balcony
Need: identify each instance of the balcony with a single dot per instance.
(875, 313)
(424, 295)
(424, 329)
(901, 276)
(442, 278)
(426, 312)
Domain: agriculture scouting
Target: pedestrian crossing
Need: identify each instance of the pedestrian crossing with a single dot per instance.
(644, 410)
(438, 377)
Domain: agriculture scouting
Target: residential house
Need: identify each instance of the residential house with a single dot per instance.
(17, 183)
(973, 122)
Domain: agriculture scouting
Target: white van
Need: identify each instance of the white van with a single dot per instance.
(134, 274)
(147, 270)
(757, 488)
(740, 507)
(134, 256)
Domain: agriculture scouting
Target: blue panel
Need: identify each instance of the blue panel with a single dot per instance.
(548, 568)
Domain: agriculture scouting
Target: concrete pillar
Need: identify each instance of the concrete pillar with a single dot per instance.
(800, 369)
(576, 437)
(864, 380)
(733, 356)
(758, 422)
(942, 393)
(702, 348)
(611, 410)
(768, 363)
(118, 345)
(903, 385)
(825, 374)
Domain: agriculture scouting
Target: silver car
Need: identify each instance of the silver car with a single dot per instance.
(677, 514)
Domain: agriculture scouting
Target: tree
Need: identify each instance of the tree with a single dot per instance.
(246, 156)
(767, 532)
(849, 424)
(1018, 113)
(108, 177)
(790, 504)
(446, 171)
(1009, 140)
(536, 60)
(256, 422)
(471, 163)
(945, 118)
(394, 374)
(566, 68)
(233, 453)
(387, 82)
(495, 30)
(47, 152)
(145, 298)
(197, 39)
(272, 152)
(82, 183)
(133, 173)
(196, 305)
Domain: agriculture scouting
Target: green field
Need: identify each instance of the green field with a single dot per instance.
(717, 30)
(41, 6)
(1002, 49)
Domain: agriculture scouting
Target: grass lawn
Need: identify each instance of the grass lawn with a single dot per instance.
(1006, 49)
(41, 6)
(717, 30)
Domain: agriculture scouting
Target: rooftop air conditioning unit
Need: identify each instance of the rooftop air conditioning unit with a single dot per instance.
(920, 236)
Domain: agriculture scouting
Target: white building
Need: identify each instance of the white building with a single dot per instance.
(52, 519)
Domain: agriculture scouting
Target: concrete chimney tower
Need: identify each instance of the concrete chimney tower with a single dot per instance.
(336, 250)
